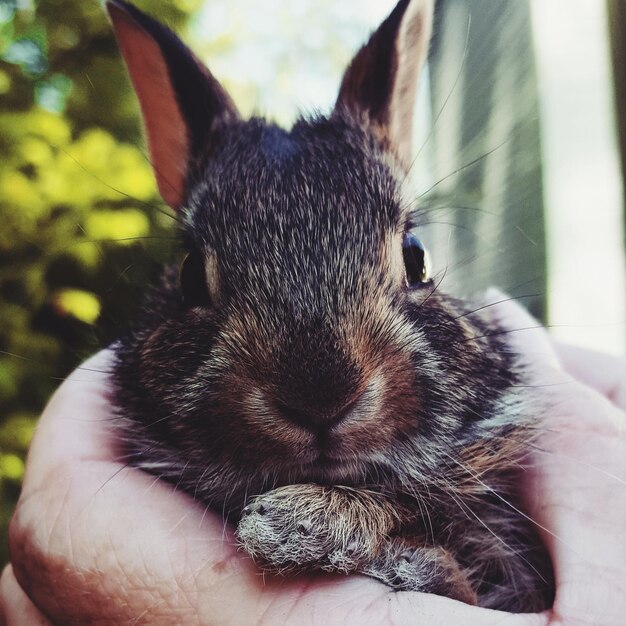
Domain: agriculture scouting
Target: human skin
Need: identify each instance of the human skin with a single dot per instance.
(94, 542)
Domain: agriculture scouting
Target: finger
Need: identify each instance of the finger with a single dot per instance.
(579, 501)
(15, 607)
(374, 605)
(430, 610)
(575, 490)
(557, 370)
(76, 424)
(603, 372)
(526, 335)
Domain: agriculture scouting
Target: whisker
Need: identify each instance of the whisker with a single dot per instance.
(417, 210)
(464, 167)
(149, 205)
(122, 239)
(509, 299)
(116, 473)
(484, 525)
(506, 331)
(604, 472)
(445, 102)
(435, 287)
(514, 508)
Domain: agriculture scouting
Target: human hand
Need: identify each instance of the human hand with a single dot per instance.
(575, 487)
(94, 542)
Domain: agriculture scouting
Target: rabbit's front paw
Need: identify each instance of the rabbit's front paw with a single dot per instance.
(426, 569)
(310, 527)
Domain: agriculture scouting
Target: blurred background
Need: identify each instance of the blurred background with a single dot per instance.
(522, 124)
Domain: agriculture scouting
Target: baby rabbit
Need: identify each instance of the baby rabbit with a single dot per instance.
(301, 372)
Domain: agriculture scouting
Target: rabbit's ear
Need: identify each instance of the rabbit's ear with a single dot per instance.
(180, 100)
(380, 85)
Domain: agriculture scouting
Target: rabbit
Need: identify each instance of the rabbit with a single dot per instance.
(300, 371)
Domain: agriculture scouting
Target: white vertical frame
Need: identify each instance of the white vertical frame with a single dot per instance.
(582, 178)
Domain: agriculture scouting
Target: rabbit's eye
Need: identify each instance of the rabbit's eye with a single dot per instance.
(193, 281)
(416, 260)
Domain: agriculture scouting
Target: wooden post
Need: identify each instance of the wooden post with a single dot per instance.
(485, 104)
(617, 29)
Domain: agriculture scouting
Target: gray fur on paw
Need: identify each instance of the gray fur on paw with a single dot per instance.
(426, 569)
(309, 527)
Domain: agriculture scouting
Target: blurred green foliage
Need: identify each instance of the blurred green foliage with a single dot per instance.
(83, 230)
(82, 227)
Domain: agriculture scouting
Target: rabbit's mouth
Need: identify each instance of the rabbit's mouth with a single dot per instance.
(328, 464)
(331, 470)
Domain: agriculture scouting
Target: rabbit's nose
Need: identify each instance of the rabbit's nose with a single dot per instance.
(315, 419)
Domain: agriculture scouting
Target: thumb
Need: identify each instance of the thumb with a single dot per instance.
(420, 609)
(525, 335)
